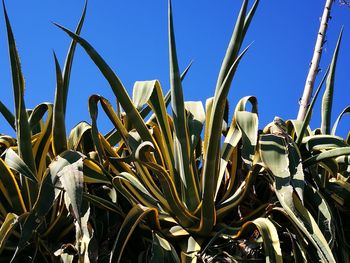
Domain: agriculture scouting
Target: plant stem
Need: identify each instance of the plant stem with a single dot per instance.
(314, 66)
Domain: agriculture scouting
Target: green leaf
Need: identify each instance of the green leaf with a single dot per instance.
(323, 142)
(272, 247)
(142, 192)
(77, 133)
(331, 166)
(326, 155)
(93, 110)
(116, 85)
(335, 126)
(102, 203)
(195, 121)
(232, 200)
(47, 194)
(249, 17)
(23, 132)
(34, 123)
(22, 125)
(296, 170)
(72, 179)
(248, 123)
(135, 216)
(294, 128)
(269, 235)
(208, 109)
(242, 105)
(339, 191)
(147, 109)
(284, 162)
(69, 61)
(83, 236)
(274, 154)
(147, 179)
(116, 121)
(181, 135)
(232, 139)
(327, 99)
(12, 189)
(7, 141)
(59, 139)
(190, 249)
(113, 137)
(211, 159)
(324, 215)
(14, 162)
(7, 227)
(233, 47)
(178, 209)
(36, 116)
(42, 144)
(310, 224)
(150, 92)
(244, 126)
(94, 172)
(162, 251)
(8, 115)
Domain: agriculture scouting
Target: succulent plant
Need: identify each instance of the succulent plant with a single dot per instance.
(171, 185)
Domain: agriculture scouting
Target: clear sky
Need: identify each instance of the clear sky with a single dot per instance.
(132, 37)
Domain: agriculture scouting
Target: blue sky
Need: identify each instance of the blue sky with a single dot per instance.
(132, 37)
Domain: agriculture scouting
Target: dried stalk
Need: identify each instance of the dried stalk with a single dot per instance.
(314, 66)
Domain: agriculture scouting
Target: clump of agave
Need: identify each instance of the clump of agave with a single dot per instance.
(43, 206)
(184, 186)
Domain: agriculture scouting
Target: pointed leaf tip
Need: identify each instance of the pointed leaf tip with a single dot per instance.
(62, 27)
(3, 6)
(54, 55)
(327, 99)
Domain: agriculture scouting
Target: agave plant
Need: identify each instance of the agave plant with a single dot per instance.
(190, 185)
(237, 194)
(43, 211)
